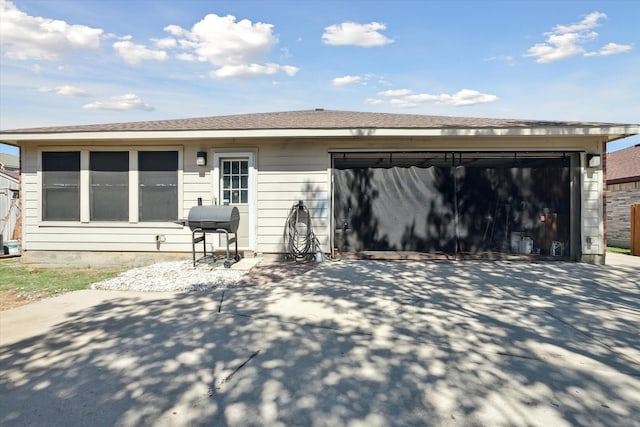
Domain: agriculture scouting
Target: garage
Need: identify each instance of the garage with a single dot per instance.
(462, 203)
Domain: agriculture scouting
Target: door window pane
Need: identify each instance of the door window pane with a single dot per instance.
(158, 181)
(109, 191)
(235, 181)
(61, 186)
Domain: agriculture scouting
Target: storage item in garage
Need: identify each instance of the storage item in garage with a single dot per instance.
(515, 241)
(526, 246)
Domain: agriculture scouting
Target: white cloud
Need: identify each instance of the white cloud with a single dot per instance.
(351, 33)
(236, 49)
(346, 80)
(71, 91)
(133, 53)
(395, 92)
(175, 30)
(251, 70)
(588, 22)
(402, 98)
(25, 37)
(165, 43)
(290, 70)
(422, 97)
(373, 101)
(67, 90)
(610, 49)
(401, 103)
(558, 46)
(566, 41)
(467, 97)
(125, 102)
(460, 98)
(186, 57)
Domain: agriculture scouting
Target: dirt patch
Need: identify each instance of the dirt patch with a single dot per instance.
(13, 299)
(275, 271)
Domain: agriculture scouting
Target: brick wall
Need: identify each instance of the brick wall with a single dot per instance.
(619, 203)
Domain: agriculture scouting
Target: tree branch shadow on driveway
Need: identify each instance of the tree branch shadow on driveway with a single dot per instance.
(369, 342)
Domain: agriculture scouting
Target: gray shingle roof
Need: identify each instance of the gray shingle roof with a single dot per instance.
(623, 165)
(310, 119)
(9, 161)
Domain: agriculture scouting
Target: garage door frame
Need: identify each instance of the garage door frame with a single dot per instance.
(573, 185)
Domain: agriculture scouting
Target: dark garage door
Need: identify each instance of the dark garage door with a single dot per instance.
(452, 202)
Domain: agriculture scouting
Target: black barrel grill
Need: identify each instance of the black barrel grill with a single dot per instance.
(214, 219)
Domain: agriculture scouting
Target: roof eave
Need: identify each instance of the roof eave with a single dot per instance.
(611, 132)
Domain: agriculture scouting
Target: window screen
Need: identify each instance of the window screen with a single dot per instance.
(109, 185)
(158, 180)
(61, 186)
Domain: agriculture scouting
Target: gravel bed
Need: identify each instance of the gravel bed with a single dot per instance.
(174, 276)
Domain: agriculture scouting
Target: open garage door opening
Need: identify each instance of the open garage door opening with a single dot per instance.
(462, 203)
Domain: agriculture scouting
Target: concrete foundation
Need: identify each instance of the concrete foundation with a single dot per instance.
(593, 259)
(105, 259)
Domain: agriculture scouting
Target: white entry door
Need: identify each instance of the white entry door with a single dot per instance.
(233, 177)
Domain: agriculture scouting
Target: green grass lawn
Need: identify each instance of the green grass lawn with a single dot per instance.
(16, 277)
(615, 250)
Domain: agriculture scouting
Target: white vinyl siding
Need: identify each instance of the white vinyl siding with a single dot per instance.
(287, 173)
(592, 210)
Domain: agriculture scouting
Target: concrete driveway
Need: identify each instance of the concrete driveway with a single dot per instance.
(351, 343)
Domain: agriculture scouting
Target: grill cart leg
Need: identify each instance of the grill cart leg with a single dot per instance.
(199, 239)
(228, 261)
(236, 257)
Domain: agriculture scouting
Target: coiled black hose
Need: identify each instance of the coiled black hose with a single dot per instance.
(301, 241)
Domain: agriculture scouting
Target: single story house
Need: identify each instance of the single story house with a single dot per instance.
(370, 181)
(622, 190)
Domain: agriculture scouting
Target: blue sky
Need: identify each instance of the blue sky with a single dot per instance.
(67, 62)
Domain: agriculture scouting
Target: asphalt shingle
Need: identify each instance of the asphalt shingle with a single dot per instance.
(310, 119)
(624, 165)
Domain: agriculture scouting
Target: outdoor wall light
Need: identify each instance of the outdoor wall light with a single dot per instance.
(201, 158)
(593, 160)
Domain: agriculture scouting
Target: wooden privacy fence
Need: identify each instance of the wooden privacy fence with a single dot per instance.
(635, 230)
